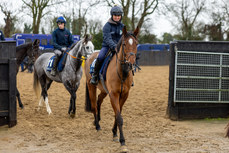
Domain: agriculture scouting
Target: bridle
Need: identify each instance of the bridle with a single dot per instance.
(77, 58)
(32, 57)
(126, 65)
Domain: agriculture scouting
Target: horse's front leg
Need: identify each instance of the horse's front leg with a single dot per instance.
(19, 99)
(114, 130)
(72, 90)
(114, 97)
(72, 106)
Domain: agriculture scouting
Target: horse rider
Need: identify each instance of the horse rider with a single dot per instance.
(112, 32)
(62, 39)
(2, 38)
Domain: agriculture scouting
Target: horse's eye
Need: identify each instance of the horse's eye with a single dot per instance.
(87, 47)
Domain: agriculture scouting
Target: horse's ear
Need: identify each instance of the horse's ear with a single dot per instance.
(90, 37)
(36, 42)
(136, 31)
(124, 31)
(86, 38)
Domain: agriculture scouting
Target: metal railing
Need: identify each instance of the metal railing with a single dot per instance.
(201, 77)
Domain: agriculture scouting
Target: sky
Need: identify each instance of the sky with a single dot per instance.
(158, 25)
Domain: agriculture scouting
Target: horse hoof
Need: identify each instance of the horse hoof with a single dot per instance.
(72, 115)
(115, 139)
(98, 128)
(124, 149)
(38, 109)
(21, 106)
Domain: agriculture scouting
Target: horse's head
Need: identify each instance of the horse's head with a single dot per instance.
(88, 47)
(33, 51)
(128, 46)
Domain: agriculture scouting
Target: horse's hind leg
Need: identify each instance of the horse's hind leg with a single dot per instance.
(40, 103)
(92, 97)
(49, 82)
(101, 96)
(44, 83)
(19, 99)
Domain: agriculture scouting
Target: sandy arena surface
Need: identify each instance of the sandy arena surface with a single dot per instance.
(146, 127)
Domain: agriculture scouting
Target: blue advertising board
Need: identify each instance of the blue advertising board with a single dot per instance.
(45, 39)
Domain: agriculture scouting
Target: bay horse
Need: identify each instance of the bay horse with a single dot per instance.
(28, 49)
(70, 76)
(119, 78)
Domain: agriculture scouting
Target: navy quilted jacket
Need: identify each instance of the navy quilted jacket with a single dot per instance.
(112, 32)
(62, 38)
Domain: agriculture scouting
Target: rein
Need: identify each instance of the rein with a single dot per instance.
(74, 56)
(124, 62)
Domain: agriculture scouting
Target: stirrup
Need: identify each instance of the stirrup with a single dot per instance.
(53, 72)
(94, 80)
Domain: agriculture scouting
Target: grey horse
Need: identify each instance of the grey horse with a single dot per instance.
(70, 76)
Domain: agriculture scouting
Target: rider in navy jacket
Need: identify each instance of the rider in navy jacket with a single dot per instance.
(112, 32)
(62, 39)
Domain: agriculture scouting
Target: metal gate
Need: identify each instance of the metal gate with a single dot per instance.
(201, 77)
(198, 80)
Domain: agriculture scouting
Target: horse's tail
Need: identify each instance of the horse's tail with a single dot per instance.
(36, 87)
(87, 100)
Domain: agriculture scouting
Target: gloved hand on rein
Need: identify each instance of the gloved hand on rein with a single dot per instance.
(63, 48)
(113, 50)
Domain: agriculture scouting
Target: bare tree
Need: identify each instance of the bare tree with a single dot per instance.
(9, 19)
(79, 23)
(224, 16)
(38, 9)
(186, 12)
(140, 9)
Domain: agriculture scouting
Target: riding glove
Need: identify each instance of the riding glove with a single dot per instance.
(63, 48)
(113, 50)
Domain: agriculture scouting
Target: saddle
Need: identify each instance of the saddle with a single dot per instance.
(104, 66)
(61, 63)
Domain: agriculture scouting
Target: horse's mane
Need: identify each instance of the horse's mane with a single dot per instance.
(73, 45)
(126, 36)
(77, 45)
(23, 46)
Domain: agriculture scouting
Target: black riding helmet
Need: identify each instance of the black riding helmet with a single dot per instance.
(116, 11)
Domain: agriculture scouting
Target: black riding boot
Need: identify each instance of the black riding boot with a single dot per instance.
(53, 71)
(95, 75)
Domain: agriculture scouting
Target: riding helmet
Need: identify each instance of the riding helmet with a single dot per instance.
(61, 19)
(116, 10)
